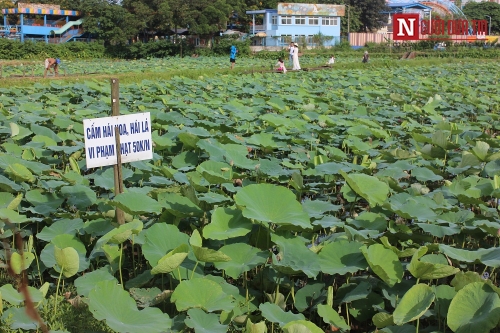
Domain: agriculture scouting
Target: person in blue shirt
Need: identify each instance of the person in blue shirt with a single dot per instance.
(232, 55)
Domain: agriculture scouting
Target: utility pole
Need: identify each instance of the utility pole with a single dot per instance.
(489, 25)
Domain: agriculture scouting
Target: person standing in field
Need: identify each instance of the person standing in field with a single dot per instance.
(232, 55)
(291, 49)
(366, 57)
(296, 64)
(331, 61)
(51, 63)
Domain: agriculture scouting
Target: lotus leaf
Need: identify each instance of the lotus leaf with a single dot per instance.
(272, 204)
(413, 304)
(475, 308)
(201, 293)
(109, 302)
(384, 263)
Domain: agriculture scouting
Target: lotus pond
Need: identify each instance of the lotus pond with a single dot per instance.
(103, 66)
(362, 201)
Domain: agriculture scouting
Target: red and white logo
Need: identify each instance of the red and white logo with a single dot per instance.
(406, 27)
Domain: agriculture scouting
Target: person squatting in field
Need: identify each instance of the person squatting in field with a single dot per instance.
(51, 63)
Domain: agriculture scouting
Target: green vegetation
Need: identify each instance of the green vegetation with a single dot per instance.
(358, 198)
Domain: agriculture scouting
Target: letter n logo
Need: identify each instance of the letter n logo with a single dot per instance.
(405, 27)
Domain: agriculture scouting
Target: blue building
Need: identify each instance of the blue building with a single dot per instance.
(302, 23)
(41, 22)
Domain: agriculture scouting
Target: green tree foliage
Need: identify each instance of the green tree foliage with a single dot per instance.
(479, 10)
(108, 21)
(370, 13)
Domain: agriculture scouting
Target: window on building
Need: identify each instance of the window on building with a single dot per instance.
(300, 20)
(329, 21)
(274, 20)
(285, 39)
(313, 21)
(310, 40)
(286, 20)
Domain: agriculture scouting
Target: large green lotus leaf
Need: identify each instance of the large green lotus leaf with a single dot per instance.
(489, 257)
(64, 226)
(272, 204)
(294, 256)
(413, 207)
(203, 322)
(444, 295)
(171, 260)
(188, 139)
(309, 296)
(264, 140)
(44, 131)
(11, 295)
(62, 241)
(187, 159)
(161, 238)
(342, 257)
(215, 172)
(370, 221)
(439, 230)
(20, 173)
(201, 293)
(108, 301)
(331, 317)
(12, 216)
(413, 304)
(80, 196)
(178, 205)
(474, 309)
(19, 262)
(275, 314)
(45, 203)
(368, 187)
(227, 222)
(492, 168)
(19, 319)
(351, 292)
(136, 203)
(384, 262)
(8, 185)
(301, 326)
(425, 175)
(68, 260)
(85, 283)
(316, 208)
(427, 270)
(243, 258)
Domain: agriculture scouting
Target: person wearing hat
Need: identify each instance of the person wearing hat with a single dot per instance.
(366, 57)
(52, 63)
(296, 65)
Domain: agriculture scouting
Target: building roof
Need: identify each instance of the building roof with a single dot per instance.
(40, 11)
(261, 11)
(400, 7)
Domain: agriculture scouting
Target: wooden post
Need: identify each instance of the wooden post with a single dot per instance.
(115, 111)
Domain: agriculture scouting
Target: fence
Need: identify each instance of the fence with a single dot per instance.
(360, 39)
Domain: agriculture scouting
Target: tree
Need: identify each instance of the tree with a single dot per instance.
(207, 17)
(152, 16)
(370, 16)
(479, 10)
(107, 21)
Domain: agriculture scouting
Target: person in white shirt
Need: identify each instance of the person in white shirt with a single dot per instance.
(291, 50)
(331, 61)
